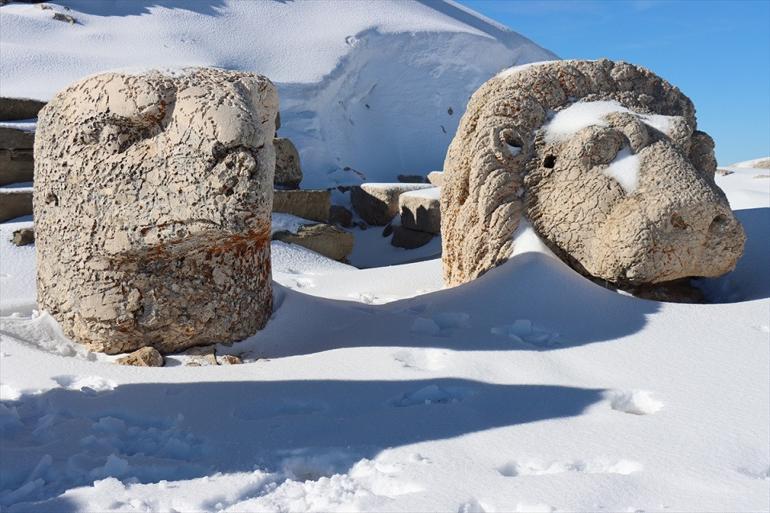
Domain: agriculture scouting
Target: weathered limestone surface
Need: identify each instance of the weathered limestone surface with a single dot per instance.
(377, 203)
(288, 172)
(307, 204)
(152, 203)
(675, 223)
(421, 210)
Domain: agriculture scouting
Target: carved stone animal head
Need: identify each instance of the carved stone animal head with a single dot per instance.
(603, 159)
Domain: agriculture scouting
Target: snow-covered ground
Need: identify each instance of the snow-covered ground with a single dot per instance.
(530, 389)
(367, 88)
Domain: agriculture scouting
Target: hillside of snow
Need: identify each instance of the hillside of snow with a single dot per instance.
(368, 90)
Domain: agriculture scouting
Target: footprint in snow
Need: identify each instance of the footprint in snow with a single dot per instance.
(635, 402)
(86, 384)
(535, 467)
(432, 394)
(440, 323)
(523, 331)
(430, 359)
(763, 473)
(259, 410)
(474, 506)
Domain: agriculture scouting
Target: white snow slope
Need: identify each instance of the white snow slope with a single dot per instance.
(375, 88)
(530, 389)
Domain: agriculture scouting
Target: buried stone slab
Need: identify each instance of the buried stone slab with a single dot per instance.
(603, 159)
(16, 139)
(307, 204)
(16, 166)
(325, 239)
(377, 203)
(165, 240)
(15, 203)
(15, 109)
(421, 210)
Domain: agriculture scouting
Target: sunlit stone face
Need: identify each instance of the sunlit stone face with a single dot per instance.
(621, 196)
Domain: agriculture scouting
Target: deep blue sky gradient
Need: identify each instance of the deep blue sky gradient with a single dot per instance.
(716, 52)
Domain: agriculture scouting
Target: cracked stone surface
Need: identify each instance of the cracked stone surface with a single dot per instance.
(152, 201)
(501, 167)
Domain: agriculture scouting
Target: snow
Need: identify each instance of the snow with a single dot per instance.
(580, 115)
(26, 125)
(625, 170)
(426, 193)
(530, 388)
(760, 163)
(342, 68)
(282, 222)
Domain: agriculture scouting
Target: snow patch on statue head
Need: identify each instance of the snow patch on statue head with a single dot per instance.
(605, 162)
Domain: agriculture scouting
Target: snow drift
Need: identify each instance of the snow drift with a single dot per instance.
(368, 89)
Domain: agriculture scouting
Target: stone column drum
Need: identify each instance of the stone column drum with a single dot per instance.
(152, 203)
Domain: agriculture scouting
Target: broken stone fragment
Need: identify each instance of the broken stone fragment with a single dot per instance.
(307, 204)
(23, 237)
(229, 359)
(421, 210)
(325, 239)
(144, 357)
(377, 203)
(288, 173)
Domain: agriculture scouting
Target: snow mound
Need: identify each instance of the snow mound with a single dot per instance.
(343, 69)
(760, 163)
(580, 115)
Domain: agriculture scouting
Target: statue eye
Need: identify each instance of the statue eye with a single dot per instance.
(549, 161)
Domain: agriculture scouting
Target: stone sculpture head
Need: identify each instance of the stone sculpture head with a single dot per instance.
(152, 203)
(603, 159)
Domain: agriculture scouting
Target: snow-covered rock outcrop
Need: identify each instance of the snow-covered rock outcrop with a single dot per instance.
(367, 89)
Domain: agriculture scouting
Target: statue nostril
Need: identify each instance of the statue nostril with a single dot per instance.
(719, 222)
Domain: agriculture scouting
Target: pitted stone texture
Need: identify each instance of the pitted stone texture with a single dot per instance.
(677, 223)
(288, 172)
(153, 195)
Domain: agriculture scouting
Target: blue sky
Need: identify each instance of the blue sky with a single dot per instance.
(717, 53)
